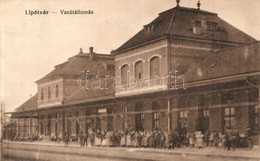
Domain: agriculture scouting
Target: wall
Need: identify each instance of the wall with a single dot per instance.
(53, 100)
(143, 54)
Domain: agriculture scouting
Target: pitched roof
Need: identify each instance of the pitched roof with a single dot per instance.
(178, 22)
(78, 64)
(30, 104)
(101, 88)
(86, 96)
(227, 62)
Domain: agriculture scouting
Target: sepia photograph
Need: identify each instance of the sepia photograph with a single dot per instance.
(139, 80)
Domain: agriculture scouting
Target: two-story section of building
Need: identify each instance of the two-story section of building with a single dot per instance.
(176, 41)
(154, 65)
(85, 76)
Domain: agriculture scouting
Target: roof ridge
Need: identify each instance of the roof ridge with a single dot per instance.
(188, 9)
(173, 14)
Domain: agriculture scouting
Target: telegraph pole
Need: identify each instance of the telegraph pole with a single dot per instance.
(258, 108)
(1, 134)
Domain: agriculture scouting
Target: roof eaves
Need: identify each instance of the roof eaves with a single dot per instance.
(139, 45)
(27, 101)
(49, 78)
(217, 80)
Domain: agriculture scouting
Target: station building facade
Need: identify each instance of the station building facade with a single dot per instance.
(187, 70)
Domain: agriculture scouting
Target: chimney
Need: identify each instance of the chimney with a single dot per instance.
(91, 53)
(80, 51)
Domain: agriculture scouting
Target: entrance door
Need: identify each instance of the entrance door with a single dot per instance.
(49, 125)
(203, 120)
(89, 124)
(110, 118)
(77, 127)
(98, 124)
(139, 116)
(69, 127)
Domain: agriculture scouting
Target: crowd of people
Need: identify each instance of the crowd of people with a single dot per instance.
(151, 139)
(160, 139)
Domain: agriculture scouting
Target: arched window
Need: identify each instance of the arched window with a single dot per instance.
(42, 94)
(57, 90)
(49, 92)
(155, 119)
(139, 70)
(124, 70)
(154, 67)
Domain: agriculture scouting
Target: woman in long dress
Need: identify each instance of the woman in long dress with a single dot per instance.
(128, 140)
(103, 139)
(108, 138)
(199, 140)
(191, 139)
(97, 138)
(123, 139)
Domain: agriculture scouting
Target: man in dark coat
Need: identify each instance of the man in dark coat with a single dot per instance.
(228, 135)
(66, 139)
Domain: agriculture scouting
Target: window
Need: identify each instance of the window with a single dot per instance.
(42, 94)
(203, 108)
(57, 114)
(125, 110)
(197, 23)
(211, 26)
(69, 114)
(206, 113)
(139, 75)
(139, 70)
(229, 117)
(124, 75)
(49, 92)
(184, 103)
(57, 90)
(110, 67)
(183, 114)
(155, 108)
(149, 29)
(154, 67)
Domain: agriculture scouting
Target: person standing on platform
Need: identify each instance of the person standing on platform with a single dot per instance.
(66, 139)
(228, 134)
(82, 139)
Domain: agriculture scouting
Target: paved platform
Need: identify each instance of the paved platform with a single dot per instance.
(239, 153)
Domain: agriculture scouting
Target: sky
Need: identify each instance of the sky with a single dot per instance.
(30, 46)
